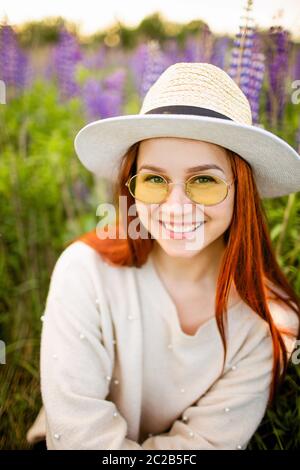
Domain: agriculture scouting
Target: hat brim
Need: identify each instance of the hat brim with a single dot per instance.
(101, 144)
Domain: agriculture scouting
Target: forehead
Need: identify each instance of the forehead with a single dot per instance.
(178, 153)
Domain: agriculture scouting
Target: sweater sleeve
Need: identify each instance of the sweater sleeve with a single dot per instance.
(229, 413)
(76, 363)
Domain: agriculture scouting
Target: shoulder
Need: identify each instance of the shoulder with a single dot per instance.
(76, 252)
(80, 255)
(285, 320)
(79, 267)
(247, 328)
(282, 314)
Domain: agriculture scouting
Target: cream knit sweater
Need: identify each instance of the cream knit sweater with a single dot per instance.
(118, 372)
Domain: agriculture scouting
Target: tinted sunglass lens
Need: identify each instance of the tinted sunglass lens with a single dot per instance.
(149, 188)
(206, 189)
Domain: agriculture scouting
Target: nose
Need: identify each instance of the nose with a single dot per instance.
(177, 207)
(177, 194)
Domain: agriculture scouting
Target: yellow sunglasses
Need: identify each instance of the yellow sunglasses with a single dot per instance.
(152, 188)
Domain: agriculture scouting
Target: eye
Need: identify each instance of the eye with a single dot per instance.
(154, 179)
(204, 179)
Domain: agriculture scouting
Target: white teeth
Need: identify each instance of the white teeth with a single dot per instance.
(187, 228)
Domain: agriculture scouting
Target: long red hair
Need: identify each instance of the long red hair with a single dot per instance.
(249, 260)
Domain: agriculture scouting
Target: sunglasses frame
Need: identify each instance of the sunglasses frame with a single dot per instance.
(169, 183)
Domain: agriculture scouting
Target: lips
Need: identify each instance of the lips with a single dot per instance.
(187, 224)
(180, 231)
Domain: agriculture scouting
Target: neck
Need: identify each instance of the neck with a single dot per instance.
(202, 268)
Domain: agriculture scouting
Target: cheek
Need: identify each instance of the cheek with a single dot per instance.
(221, 214)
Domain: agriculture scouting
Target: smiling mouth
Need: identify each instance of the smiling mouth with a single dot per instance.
(187, 228)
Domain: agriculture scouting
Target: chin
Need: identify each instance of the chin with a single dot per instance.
(180, 249)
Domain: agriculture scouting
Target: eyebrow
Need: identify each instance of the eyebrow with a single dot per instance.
(193, 169)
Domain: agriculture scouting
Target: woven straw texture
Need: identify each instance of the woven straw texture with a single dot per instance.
(199, 84)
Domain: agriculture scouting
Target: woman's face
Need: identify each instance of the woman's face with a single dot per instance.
(175, 157)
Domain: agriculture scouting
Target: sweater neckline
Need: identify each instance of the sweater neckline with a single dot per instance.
(157, 290)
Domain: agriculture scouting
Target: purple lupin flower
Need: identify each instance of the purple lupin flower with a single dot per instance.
(218, 56)
(91, 94)
(104, 99)
(150, 61)
(155, 65)
(172, 52)
(67, 55)
(296, 68)
(256, 77)
(115, 81)
(191, 47)
(49, 72)
(13, 60)
(247, 62)
(137, 64)
(114, 85)
(277, 65)
(242, 49)
(96, 59)
(199, 48)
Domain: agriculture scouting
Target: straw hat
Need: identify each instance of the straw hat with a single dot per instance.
(195, 101)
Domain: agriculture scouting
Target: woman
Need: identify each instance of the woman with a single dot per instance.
(173, 327)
